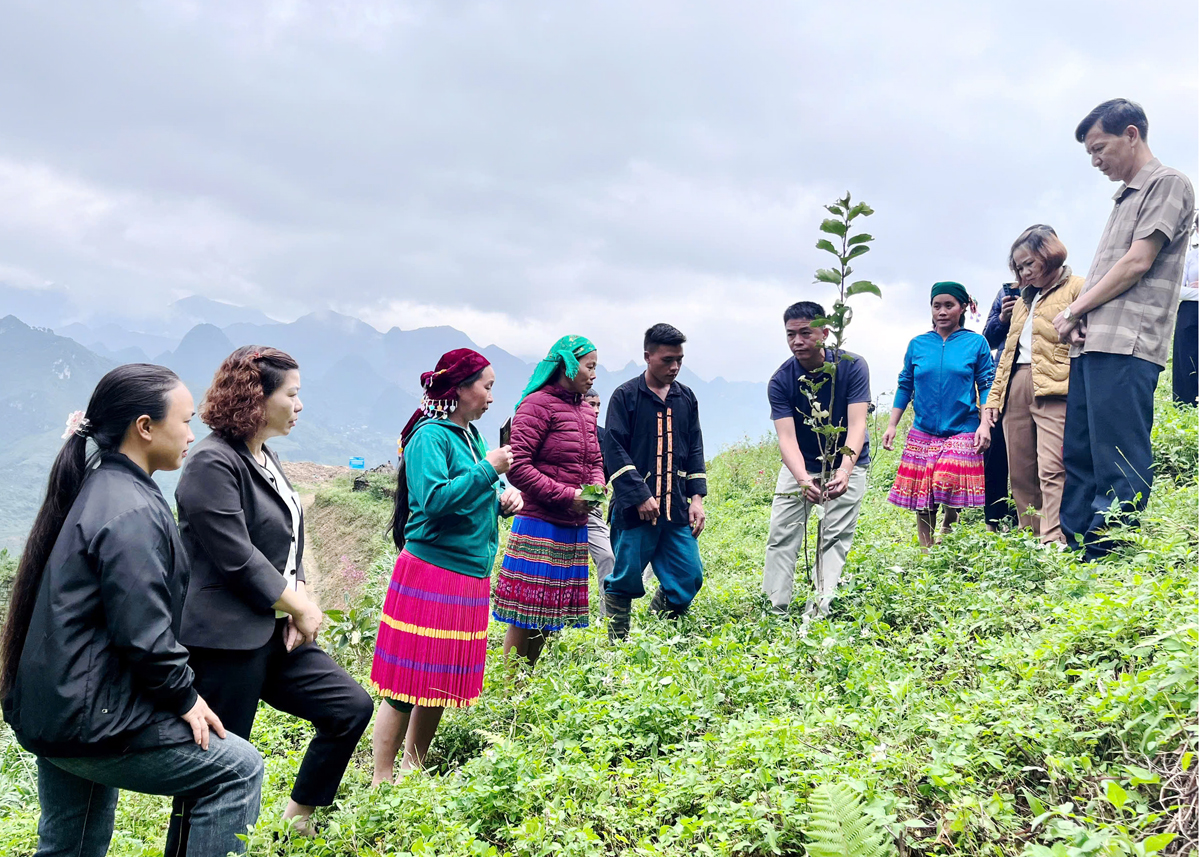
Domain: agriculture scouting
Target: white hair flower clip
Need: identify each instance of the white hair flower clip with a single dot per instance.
(78, 424)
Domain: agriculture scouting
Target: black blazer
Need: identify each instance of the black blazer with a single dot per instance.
(238, 533)
(101, 672)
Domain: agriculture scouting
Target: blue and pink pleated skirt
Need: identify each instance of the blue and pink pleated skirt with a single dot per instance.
(432, 641)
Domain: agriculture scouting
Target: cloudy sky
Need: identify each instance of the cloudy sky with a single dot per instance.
(521, 170)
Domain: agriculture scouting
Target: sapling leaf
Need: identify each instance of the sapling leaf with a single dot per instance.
(827, 246)
(827, 275)
(857, 251)
(861, 286)
(834, 227)
(593, 494)
(860, 239)
(862, 208)
(1157, 842)
(1116, 795)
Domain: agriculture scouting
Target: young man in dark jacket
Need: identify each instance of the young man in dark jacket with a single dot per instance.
(654, 450)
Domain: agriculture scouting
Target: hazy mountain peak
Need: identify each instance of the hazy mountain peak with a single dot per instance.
(199, 309)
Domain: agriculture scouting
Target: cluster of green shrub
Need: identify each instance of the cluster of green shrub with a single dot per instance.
(992, 697)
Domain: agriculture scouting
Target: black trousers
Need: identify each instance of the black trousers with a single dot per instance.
(305, 683)
(1106, 445)
(997, 508)
(1183, 356)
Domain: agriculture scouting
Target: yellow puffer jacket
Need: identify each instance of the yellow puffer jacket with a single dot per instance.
(1051, 362)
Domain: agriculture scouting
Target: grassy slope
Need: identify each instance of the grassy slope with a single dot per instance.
(963, 694)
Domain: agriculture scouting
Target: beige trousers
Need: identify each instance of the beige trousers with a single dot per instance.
(1033, 431)
(785, 540)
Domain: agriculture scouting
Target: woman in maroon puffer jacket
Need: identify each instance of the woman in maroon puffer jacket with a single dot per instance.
(543, 582)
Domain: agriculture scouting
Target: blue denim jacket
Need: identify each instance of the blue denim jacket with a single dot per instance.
(945, 381)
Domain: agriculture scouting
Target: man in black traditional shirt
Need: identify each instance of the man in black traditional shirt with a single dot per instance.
(655, 452)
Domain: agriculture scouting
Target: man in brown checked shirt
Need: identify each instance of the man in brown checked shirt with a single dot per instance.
(1120, 327)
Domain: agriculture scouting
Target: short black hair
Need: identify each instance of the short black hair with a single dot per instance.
(1114, 117)
(591, 393)
(662, 334)
(804, 310)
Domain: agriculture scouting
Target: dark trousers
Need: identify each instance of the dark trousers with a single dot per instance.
(305, 683)
(1183, 357)
(1106, 445)
(997, 508)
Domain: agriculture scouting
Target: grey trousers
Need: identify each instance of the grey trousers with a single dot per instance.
(600, 549)
(785, 540)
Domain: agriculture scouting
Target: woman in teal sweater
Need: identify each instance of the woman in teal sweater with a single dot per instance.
(947, 374)
(432, 641)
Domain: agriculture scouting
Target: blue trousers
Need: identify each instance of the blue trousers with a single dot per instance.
(79, 796)
(1106, 445)
(671, 549)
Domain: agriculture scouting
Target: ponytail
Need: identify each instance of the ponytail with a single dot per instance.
(401, 510)
(122, 396)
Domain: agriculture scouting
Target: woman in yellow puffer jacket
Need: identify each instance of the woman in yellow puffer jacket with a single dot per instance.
(1030, 389)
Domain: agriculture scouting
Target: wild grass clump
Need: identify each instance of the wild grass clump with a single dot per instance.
(993, 697)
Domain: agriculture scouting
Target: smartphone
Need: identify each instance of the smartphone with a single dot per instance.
(1012, 290)
(506, 432)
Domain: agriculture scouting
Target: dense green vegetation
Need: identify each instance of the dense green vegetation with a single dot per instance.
(992, 697)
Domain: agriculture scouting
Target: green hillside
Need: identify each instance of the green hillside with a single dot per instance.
(993, 697)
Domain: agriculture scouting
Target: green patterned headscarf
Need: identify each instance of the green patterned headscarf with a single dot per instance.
(565, 353)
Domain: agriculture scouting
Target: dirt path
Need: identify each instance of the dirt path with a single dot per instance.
(313, 565)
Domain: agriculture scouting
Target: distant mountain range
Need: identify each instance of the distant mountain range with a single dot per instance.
(359, 386)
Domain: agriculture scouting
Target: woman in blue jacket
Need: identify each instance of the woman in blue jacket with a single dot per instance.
(946, 376)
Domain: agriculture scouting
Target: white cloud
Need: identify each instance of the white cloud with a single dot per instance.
(520, 170)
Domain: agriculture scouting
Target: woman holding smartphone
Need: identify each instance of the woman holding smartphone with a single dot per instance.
(997, 509)
(432, 643)
(1030, 389)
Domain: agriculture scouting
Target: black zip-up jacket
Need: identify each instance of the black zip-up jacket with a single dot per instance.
(101, 672)
(653, 448)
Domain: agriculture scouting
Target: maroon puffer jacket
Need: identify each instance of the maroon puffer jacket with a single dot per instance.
(555, 452)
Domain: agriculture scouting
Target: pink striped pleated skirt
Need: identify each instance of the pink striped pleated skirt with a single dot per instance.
(938, 471)
(432, 640)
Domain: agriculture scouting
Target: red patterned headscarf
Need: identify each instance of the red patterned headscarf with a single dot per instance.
(441, 386)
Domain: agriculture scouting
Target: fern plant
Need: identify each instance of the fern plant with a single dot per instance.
(839, 825)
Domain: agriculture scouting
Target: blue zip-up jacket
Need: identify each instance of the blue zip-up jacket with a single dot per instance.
(945, 380)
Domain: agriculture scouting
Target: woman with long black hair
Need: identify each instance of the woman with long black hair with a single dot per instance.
(102, 694)
(248, 620)
(432, 643)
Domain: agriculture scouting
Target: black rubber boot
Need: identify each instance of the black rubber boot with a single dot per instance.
(660, 607)
(617, 609)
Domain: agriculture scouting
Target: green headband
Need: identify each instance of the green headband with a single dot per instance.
(955, 290)
(565, 353)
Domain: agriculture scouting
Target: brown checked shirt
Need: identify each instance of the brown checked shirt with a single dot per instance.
(1140, 321)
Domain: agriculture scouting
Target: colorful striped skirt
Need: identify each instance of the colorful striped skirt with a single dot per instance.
(938, 470)
(543, 580)
(432, 640)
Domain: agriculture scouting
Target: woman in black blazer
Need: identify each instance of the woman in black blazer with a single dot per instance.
(247, 620)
